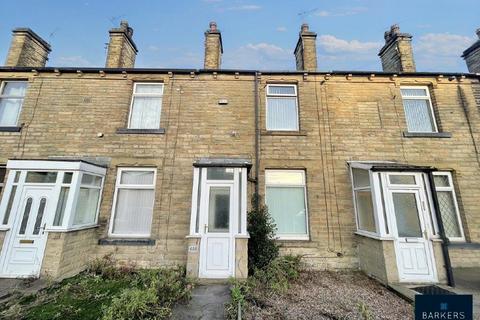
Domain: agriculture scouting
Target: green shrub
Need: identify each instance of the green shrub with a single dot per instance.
(262, 249)
(107, 268)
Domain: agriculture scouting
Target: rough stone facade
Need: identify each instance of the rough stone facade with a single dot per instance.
(27, 49)
(342, 117)
(397, 53)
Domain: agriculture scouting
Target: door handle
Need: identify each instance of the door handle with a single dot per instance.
(43, 228)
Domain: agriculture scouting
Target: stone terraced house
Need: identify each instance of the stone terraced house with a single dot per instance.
(373, 170)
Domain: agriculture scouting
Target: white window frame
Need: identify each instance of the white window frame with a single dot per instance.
(77, 187)
(427, 97)
(118, 186)
(134, 94)
(451, 188)
(376, 201)
(2, 86)
(303, 236)
(267, 95)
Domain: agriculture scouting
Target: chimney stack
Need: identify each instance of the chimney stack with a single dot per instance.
(472, 55)
(27, 49)
(397, 54)
(306, 50)
(122, 51)
(213, 47)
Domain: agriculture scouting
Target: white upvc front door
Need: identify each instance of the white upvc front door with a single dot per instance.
(217, 225)
(24, 244)
(409, 212)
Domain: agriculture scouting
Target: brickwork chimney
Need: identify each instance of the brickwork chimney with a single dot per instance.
(27, 49)
(306, 50)
(213, 47)
(397, 54)
(472, 56)
(122, 51)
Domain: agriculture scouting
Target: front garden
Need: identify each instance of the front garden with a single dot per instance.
(105, 291)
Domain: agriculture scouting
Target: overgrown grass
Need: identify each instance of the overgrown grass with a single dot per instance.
(106, 292)
(274, 278)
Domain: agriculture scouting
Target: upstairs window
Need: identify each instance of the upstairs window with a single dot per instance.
(146, 107)
(282, 107)
(418, 109)
(12, 94)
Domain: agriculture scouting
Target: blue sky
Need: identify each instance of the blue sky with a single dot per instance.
(256, 34)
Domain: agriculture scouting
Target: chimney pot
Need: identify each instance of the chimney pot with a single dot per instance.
(478, 33)
(213, 26)
(304, 27)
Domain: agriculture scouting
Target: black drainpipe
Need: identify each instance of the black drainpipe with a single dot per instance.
(441, 231)
(257, 142)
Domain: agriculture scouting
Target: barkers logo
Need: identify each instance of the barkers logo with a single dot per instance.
(443, 307)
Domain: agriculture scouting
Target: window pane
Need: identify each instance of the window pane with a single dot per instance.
(15, 89)
(366, 220)
(448, 213)
(67, 177)
(406, 213)
(282, 113)
(133, 213)
(418, 115)
(41, 177)
(414, 92)
(287, 208)
(9, 111)
(137, 177)
(91, 180)
(38, 221)
(219, 209)
(26, 214)
(285, 177)
(401, 179)
(146, 113)
(361, 178)
(152, 88)
(281, 90)
(86, 209)
(9, 205)
(441, 181)
(220, 173)
(62, 202)
(17, 177)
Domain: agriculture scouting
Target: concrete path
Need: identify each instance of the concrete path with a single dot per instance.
(27, 286)
(207, 303)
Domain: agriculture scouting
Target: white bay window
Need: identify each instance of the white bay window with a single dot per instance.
(133, 202)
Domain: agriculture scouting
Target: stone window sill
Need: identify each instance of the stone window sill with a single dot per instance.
(465, 245)
(140, 131)
(126, 242)
(427, 134)
(283, 133)
(10, 129)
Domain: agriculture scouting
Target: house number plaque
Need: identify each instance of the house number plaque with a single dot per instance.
(192, 249)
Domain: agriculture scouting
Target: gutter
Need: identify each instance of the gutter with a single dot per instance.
(257, 141)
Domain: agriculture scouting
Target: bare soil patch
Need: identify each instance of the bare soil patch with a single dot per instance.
(332, 295)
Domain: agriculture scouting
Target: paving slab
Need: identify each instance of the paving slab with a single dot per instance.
(208, 302)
